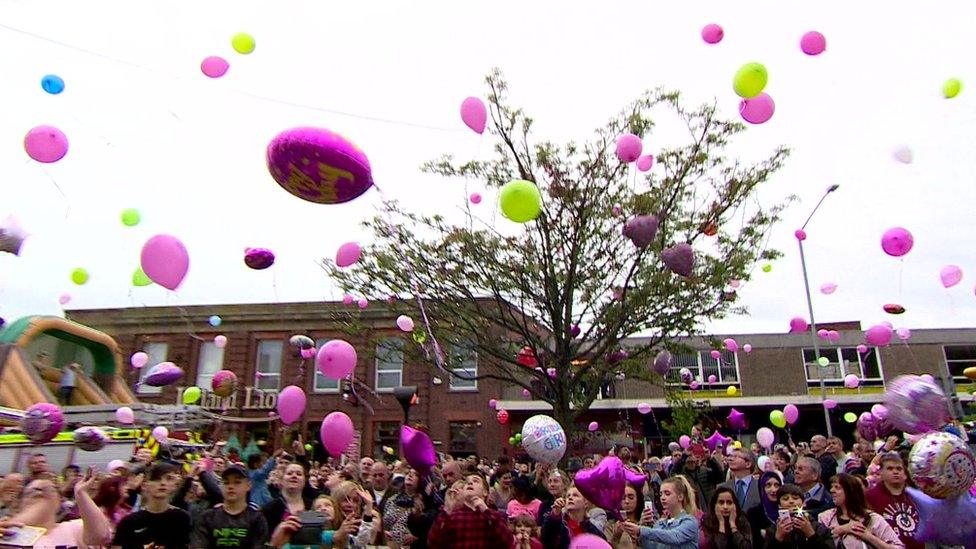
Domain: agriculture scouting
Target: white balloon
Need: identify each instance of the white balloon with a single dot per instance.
(765, 437)
(543, 439)
(903, 154)
(763, 463)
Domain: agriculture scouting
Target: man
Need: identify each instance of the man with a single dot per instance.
(156, 522)
(37, 468)
(705, 473)
(365, 466)
(889, 500)
(260, 469)
(742, 462)
(235, 523)
(863, 453)
(835, 447)
(451, 473)
(807, 474)
(380, 481)
(828, 465)
(472, 525)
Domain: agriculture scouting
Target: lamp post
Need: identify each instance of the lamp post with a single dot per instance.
(801, 235)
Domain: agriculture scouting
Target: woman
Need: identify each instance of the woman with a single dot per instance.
(630, 510)
(724, 525)
(556, 485)
(784, 464)
(764, 516)
(680, 529)
(39, 509)
(110, 498)
(351, 501)
(567, 520)
(293, 499)
(502, 492)
(397, 511)
(850, 522)
(523, 500)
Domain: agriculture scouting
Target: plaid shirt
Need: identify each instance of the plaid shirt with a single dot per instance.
(469, 529)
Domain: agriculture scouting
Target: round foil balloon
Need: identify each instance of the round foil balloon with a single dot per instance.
(223, 383)
(90, 439)
(686, 376)
(319, 165)
(915, 405)
(258, 258)
(301, 341)
(942, 465)
(42, 422)
(543, 439)
(163, 374)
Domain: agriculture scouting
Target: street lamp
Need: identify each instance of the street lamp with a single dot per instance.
(801, 235)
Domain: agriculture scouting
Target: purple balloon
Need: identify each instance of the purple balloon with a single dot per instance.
(163, 374)
(737, 420)
(417, 448)
(897, 241)
(798, 324)
(662, 363)
(878, 335)
(715, 440)
(42, 422)
(680, 259)
(318, 165)
(474, 114)
(636, 480)
(757, 110)
(915, 405)
(946, 521)
(165, 261)
(258, 258)
(604, 484)
(641, 230)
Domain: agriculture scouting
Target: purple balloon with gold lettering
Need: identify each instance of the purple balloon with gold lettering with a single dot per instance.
(319, 165)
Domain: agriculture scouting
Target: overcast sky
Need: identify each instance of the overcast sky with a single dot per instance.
(149, 131)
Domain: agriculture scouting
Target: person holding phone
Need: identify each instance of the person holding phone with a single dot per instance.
(569, 518)
(679, 530)
(794, 528)
(724, 525)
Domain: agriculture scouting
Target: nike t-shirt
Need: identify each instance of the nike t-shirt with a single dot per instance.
(167, 530)
(216, 528)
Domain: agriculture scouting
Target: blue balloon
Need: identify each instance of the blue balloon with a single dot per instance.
(52, 84)
(215, 321)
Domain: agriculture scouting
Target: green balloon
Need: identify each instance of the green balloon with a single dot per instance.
(777, 418)
(520, 200)
(951, 88)
(518, 437)
(308, 447)
(191, 395)
(850, 417)
(130, 217)
(139, 278)
(750, 80)
(823, 361)
(511, 441)
(767, 267)
(79, 276)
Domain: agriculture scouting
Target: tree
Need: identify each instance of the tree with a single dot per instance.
(569, 285)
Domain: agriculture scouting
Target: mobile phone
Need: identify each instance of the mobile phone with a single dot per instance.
(311, 531)
(648, 505)
(23, 536)
(784, 514)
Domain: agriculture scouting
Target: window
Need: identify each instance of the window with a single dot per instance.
(157, 353)
(322, 383)
(389, 364)
(464, 368)
(844, 361)
(210, 362)
(385, 433)
(464, 438)
(702, 366)
(269, 364)
(958, 358)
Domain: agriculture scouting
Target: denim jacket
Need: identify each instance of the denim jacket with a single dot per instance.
(680, 532)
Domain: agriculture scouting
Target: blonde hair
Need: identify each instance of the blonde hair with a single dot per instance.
(343, 491)
(684, 488)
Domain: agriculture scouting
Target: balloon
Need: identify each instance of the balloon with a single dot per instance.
(593, 426)
(220, 341)
(115, 464)
(362, 303)
(11, 236)
(645, 162)
(635, 479)
(951, 88)
(417, 448)
(712, 378)
(758, 109)
(813, 43)
(662, 363)
(878, 335)
(851, 381)
(823, 361)
(214, 321)
(791, 413)
(191, 395)
(644, 408)
(732, 390)
(474, 114)
(750, 80)
(850, 417)
(970, 372)
(715, 354)
(603, 484)
(258, 258)
(492, 403)
(336, 433)
(822, 333)
(641, 230)
(942, 465)
(674, 447)
(862, 348)
(747, 348)
(897, 241)
(798, 324)
(89, 439)
(766, 437)
(405, 323)
(915, 405)
(502, 417)
(903, 154)
(130, 217)
(291, 404)
(629, 148)
(903, 334)
(950, 522)
(526, 393)
(42, 422)
(223, 383)
(685, 375)
(867, 426)
(693, 385)
(46, 144)
(777, 418)
(125, 415)
(348, 254)
(52, 84)
(833, 336)
(767, 267)
(337, 359)
(828, 288)
(543, 439)
(339, 172)
(79, 276)
(163, 374)
(308, 353)
(829, 403)
(139, 278)
(139, 359)
(731, 345)
(160, 434)
(165, 261)
(737, 420)
(588, 541)
(712, 33)
(684, 441)
(950, 275)
(520, 200)
(680, 259)
(242, 43)
(715, 440)
(475, 198)
(214, 66)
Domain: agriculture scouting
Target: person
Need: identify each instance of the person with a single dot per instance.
(37, 468)
(828, 465)
(742, 463)
(350, 500)
(568, 518)
(679, 529)
(11, 489)
(888, 499)
(702, 471)
(379, 486)
(69, 379)
(725, 525)
(157, 521)
(366, 469)
(784, 464)
(526, 533)
(556, 485)
(523, 500)
(397, 508)
(835, 447)
(588, 462)
(471, 525)
(501, 492)
(110, 498)
(807, 475)
(235, 522)
(260, 467)
(630, 510)
(794, 527)
(293, 499)
(340, 529)
(851, 523)
(764, 516)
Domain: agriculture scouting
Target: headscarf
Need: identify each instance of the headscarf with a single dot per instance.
(770, 507)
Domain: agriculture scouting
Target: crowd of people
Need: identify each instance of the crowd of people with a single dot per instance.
(814, 495)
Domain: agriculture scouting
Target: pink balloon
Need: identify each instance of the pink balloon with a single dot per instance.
(712, 378)
(897, 241)
(165, 261)
(46, 144)
(336, 433)
(474, 114)
(798, 324)
(588, 541)
(363, 303)
(492, 403)
(405, 323)
(308, 353)
(716, 355)
(712, 33)
(603, 484)
(829, 403)
(291, 404)
(138, 360)
(645, 162)
(694, 385)
(879, 411)
(735, 283)
(160, 434)
(475, 198)
(813, 43)
(644, 408)
(851, 381)
(758, 110)
(220, 341)
(950, 275)
(629, 147)
(337, 359)
(214, 66)
(822, 333)
(526, 393)
(833, 336)
(737, 420)
(593, 426)
(417, 449)
(766, 437)
(125, 415)
(348, 254)
(791, 413)
(747, 348)
(800, 234)
(828, 288)
(731, 345)
(878, 335)
(684, 441)
(347, 299)
(862, 348)
(717, 439)
(903, 333)
(64, 299)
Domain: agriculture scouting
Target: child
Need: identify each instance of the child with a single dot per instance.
(68, 382)
(526, 532)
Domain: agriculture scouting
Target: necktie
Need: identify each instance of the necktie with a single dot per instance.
(740, 492)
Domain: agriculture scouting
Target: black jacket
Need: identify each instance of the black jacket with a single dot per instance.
(796, 540)
(556, 535)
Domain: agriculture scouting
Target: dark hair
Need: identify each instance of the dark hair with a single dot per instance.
(854, 500)
(710, 521)
(74, 468)
(254, 460)
(789, 489)
(639, 508)
(890, 456)
(784, 455)
(160, 469)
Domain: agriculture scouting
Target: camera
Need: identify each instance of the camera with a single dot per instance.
(311, 531)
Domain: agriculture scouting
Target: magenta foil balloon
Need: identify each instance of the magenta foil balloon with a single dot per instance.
(636, 480)
(604, 484)
(163, 374)
(258, 258)
(318, 165)
(897, 242)
(641, 230)
(915, 405)
(417, 448)
(717, 439)
(737, 420)
(680, 259)
(42, 422)
(946, 521)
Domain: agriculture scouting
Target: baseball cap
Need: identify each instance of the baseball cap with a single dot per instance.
(235, 469)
